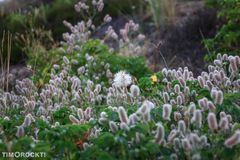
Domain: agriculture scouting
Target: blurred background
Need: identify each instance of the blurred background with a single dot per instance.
(180, 32)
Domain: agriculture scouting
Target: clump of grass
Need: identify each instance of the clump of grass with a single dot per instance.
(163, 12)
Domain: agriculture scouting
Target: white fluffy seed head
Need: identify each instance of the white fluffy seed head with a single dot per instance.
(167, 110)
(122, 79)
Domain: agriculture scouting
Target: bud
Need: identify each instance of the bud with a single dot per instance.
(173, 156)
(135, 91)
(209, 84)
(222, 114)
(176, 143)
(123, 115)
(103, 115)
(177, 88)
(143, 108)
(146, 116)
(201, 81)
(195, 139)
(186, 144)
(124, 126)
(107, 19)
(217, 96)
(85, 145)
(224, 124)
(177, 116)
(102, 120)
(217, 63)
(212, 121)
(233, 140)
(181, 126)
(191, 108)
(203, 103)
(66, 60)
(27, 121)
(172, 135)
(203, 140)
(160, 133)
(74, 119)
(80, 113)
(133, 118)
(233, 65)
(165, 97)
(196, 156)
(182, 82)
(113, 126)
(229, 117)
(6, 118)
(197, 118)
(179, 100)
(167, 109)
(20, 131)
(211, 106)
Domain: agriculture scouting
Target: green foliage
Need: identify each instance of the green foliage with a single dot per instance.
(136, 66)
(62, 115)
(228, 37)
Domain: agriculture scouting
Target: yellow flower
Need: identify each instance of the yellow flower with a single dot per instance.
(154, 78)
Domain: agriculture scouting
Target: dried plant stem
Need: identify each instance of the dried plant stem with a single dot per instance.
(5, 63)
(9, 48)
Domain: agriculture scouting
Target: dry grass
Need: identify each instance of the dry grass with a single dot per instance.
(5, 58)
(163, 11)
